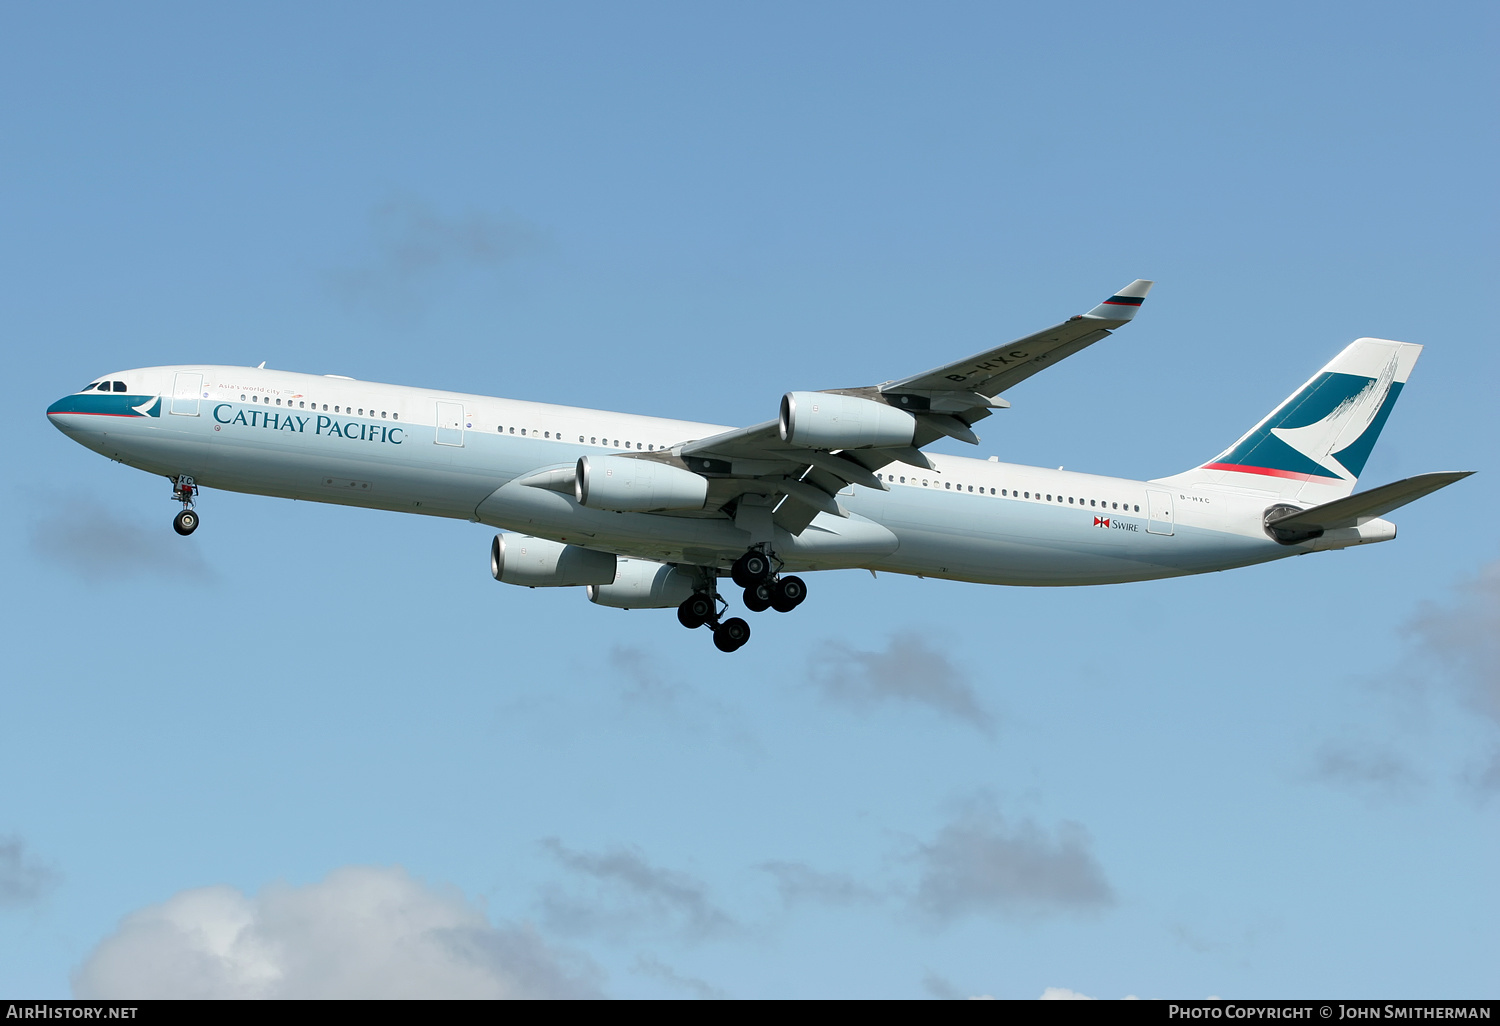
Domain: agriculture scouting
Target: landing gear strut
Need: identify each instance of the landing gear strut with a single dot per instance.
(702, 607)
(184, 490)
(758, 572)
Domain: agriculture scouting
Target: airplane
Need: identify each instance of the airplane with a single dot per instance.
(648, 512)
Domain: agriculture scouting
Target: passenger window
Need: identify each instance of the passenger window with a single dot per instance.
(546, 434)
(947, 484)
(382, 415)
(362, 411)
(278, 400)
(242, 398)
(395, 416)
(1138, 509)
(1049, 497)
(903, 480)
(971, 488)
(593, 440)
(513, 429)
(523, 432)
(992, 491)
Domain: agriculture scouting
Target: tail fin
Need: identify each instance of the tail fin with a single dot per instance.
(1314, 445)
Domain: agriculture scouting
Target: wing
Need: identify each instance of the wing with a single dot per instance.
(801, 480)
(991, 372)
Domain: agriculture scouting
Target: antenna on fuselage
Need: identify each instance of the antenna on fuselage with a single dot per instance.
(261, 365)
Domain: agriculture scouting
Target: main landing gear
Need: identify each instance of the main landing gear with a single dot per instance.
(702, 608)
(765, 588)
(184, 491)
(755, 572)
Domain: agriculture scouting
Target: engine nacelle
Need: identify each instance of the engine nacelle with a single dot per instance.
(539, 563)
(642, 584)
(637, 486)
(821, 420)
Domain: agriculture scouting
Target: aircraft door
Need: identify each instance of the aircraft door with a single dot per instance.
(186, 390)
(450, 424)
(1158, 512)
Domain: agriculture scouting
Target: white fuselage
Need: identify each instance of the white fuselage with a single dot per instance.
(450, 454)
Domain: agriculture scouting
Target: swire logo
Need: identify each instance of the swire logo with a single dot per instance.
(1101, 521)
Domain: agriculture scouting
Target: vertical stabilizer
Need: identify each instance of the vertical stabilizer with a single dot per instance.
(1313, 446)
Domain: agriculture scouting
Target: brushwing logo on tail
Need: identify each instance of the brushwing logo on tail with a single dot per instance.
(1325, 431)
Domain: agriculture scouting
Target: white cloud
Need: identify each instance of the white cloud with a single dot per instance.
(1063, 994)
(363, 932)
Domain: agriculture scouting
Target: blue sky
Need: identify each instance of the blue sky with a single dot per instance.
(314, 727)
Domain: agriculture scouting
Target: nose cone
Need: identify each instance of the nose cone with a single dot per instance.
(66, 415)
(85, 412)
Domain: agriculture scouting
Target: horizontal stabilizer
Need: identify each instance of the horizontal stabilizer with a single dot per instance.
(1351, 511)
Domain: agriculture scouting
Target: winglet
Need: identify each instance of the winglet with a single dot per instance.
(1123, 304)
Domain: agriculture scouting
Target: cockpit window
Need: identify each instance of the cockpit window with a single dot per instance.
(90, 385)
(119, 386)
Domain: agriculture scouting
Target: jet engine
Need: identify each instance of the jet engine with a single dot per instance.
(822, 420)
(539, 563)
(642, 584)
(636, 486)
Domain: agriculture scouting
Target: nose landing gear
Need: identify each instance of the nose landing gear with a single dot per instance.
(184, 490)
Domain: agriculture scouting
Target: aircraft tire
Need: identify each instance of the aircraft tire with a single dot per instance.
(695, 611)
(750, 569)
(185, 523)
(731, 634)
(788, 594)
(757, 598)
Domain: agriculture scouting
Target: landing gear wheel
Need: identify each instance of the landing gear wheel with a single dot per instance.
(751, 569)
(695, 611)
(787, 594)
(758, 598)
(731, 634)
(185, 523)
